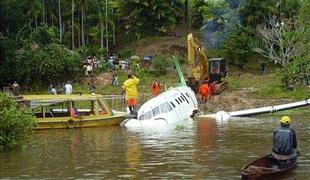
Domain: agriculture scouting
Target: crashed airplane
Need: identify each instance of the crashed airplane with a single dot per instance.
(170, 107)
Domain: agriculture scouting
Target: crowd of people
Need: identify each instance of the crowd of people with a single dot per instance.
(115, 63)
(13, 88)
(90, 64)
(60, 89)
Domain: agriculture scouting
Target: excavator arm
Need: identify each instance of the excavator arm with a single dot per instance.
(199, 66)
(197, 59)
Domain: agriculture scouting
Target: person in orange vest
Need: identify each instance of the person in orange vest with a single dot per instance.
(204, 92)
(155, 88)
(212, 90)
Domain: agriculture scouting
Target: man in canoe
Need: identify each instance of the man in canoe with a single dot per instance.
(284, 140)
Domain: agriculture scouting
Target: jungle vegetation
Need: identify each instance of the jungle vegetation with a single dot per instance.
(42, 41)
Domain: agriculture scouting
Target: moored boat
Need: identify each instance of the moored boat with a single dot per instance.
(72, 111)
(267, 167)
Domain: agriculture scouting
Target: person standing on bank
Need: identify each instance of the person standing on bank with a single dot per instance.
(155, 88)
(15, 88)
(68, 88)
(131, 93)
(284, 140)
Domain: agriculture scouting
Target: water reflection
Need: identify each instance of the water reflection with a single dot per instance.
(201, 149)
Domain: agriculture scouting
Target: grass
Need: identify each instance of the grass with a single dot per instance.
(298, 111)
(267, 86)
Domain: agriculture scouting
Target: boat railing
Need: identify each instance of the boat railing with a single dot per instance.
(116, 102)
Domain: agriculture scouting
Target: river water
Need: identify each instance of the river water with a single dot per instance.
(199, 149)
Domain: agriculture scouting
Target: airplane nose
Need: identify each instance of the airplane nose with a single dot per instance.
(129, 122)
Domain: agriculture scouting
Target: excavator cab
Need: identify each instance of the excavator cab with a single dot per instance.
(217, 69)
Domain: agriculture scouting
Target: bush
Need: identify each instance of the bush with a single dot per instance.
(125, 53)
(16, 123)
(50, 64)
(161, 64)
(44, 35)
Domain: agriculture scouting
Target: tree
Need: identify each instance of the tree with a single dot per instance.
(146, 17)
(72, 23)
(16, 123)
(298, 68)
(237, 48)
(254, 12)
(60, 21)
(278, 41)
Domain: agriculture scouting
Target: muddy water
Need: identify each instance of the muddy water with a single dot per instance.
(203, 149)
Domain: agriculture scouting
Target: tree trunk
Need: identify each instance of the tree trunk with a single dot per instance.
(113, 30)
(82, 23)
(106, 26)
(36, 21)
(186, 16)
(59, 21)
(72, 22)
(101, 34)
(78, 26)
(43, 13)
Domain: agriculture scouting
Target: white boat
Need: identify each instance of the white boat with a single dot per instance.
(170, 107)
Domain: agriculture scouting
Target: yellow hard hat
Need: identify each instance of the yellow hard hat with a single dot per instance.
(285, 120)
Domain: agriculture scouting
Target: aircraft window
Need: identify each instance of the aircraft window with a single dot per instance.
(168, 106)
(180, 99)
(148, 115)
(185, 98)
(142, 117)
(177, 101)
(187, 94)
(156, 111)
(164, 108)
(172, 104)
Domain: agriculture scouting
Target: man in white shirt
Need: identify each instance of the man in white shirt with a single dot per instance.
(68, 88)
(53, 91)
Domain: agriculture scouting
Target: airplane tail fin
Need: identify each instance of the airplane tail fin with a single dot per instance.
(179, 71)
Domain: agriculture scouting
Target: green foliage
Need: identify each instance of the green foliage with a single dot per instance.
(161, 64)
(125, 53)
(16, 123)
(254, 11)
(44, 35)
(180, 127)
(295, 73)
(237, 48)
(275, 90)
(197, 11)
(148, 17)
(49, 64)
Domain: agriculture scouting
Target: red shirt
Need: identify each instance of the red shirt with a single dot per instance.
(204, 89)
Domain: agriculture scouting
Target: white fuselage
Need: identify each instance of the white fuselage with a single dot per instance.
(170, 107)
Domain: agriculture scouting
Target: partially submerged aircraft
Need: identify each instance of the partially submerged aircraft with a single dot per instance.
(170, 107)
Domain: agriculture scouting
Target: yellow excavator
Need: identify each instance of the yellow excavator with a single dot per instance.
(203, 69)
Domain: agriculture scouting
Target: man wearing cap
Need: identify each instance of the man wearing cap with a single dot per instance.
(284, 140)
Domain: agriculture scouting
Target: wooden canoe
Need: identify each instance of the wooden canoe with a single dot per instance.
(267, 167)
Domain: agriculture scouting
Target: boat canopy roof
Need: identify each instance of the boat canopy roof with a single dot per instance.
(61, 97)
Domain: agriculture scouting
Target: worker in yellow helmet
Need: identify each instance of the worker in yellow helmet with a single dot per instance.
(284, 140)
